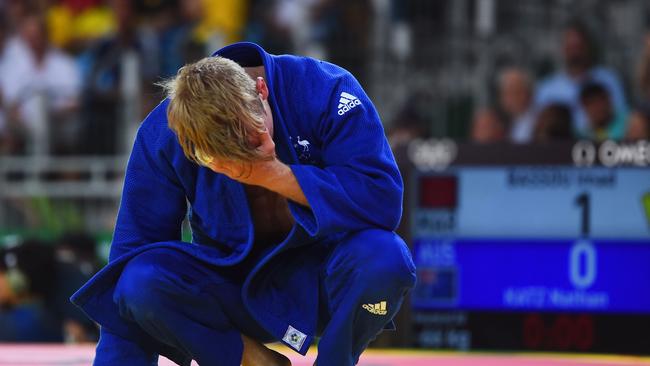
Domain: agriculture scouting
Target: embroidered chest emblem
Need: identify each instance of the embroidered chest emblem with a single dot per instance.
(301, 146)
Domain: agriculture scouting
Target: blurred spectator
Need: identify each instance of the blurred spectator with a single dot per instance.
(604, 121)
(76, 263)
(40, 87)
(72, 24)
(347, 34)
(36, 281)
(298, 16)
(638, 125)
(16, 11)
(266, 29)
(644, 72)
(179, 42)
(554, 123)
(487, 127)
(27, 277)
(578, 51)
(4, 30)
(515, 97)
(222, 21)
(411, 121)
(105, 73)
(79, 249)
(405, 129)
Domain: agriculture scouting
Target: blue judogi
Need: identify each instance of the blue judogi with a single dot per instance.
(341, 272)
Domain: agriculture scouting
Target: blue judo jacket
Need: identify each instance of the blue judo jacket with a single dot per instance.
(326, 130)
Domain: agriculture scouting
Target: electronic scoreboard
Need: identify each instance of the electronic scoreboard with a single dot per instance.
(527, 250)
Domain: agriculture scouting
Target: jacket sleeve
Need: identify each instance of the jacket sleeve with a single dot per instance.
(153, 202)
(358, 185)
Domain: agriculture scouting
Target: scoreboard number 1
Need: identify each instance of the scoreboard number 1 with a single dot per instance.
(584, 201)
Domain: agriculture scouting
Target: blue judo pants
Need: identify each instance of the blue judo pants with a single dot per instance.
(198, 309)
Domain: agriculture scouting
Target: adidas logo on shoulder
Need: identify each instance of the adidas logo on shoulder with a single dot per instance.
(347, 102)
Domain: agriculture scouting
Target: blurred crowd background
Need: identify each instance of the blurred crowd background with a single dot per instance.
(77, 76)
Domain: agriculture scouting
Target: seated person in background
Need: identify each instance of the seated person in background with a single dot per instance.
(642, 79)
(638, 125)
(487, 127)
(515, 99)
(411, 121)
(26, 277)
(604, 122)
(76, 263)
(580, 65)
(35, 72)
(553, 124)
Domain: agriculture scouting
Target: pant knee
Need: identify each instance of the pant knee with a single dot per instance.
(140, 290)
(390, 262)
(379, 260)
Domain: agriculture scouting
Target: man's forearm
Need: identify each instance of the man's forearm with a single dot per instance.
(270, 173)
(280, 179)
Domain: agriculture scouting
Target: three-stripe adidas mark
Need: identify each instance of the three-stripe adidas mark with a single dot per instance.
(347, 102)
(377, 309)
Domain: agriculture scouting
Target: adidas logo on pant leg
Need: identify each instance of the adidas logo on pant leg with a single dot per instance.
(377, 309)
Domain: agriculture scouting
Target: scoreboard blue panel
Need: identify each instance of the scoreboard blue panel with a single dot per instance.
(528, 274)
(543, 238)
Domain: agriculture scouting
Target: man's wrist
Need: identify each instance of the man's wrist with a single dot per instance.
(279, 178)
(275, 173)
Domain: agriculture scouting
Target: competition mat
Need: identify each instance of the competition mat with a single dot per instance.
(62, 355)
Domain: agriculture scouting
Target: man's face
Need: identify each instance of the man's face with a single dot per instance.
(575, 49)
(637, 127)
(487, 128)
(34, 33)
(598, 109)
(515, 93)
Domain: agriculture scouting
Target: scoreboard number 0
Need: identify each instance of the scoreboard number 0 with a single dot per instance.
(582, 264)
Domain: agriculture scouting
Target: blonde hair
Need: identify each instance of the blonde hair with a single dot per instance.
(213, 106)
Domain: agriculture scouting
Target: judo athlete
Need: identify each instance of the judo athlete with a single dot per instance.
(292, 193)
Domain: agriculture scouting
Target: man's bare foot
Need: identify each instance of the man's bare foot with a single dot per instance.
(256, 354)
